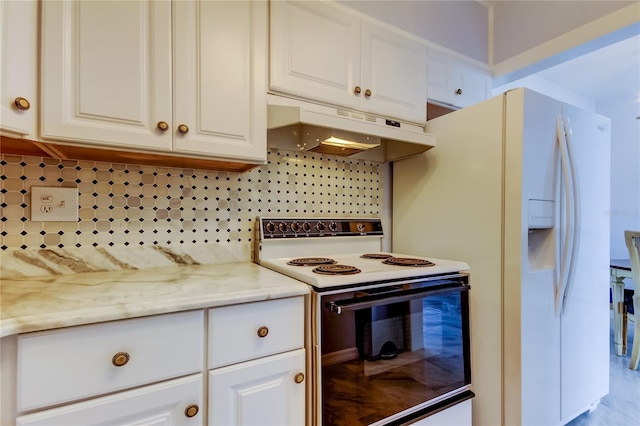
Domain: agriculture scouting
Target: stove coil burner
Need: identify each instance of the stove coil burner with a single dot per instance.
(406, 261)
(311, 261)
(336, 269)
(375, 256)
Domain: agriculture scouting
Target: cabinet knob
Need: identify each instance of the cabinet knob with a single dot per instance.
(183, 128)
(120, 359)
(22, 103)
(263, 331)
(191, 410)
(299, 378)
(367, 93)
(357, 90)
(458, 92)
(163, 125)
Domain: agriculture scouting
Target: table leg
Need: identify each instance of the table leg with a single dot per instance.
(617, 289)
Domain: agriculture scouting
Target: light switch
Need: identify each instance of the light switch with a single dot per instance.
(54, 204)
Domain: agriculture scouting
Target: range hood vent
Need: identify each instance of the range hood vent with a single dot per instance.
(305, 126)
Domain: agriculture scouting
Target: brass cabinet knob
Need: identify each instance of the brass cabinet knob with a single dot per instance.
(183, 128)
(22, 103)
(263, 331)
(367, 93)
(357, 90)
(191, 410)
(120, 359)
(299, 378)
(163, 125)
(458, 92)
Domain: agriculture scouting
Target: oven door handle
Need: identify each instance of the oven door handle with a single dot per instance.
(356, 303)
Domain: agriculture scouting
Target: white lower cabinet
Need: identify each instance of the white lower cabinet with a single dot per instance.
(257, 364)
(68, 364)
(265, 391)
(246, 368)
(175, 402)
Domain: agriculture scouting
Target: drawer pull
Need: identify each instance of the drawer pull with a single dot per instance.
(163, 125)
(183, 129)
(299, 378)
(120, 359)
(191, 410)
(357, 90)
(367, 93)
(263, 331)
(22, 104)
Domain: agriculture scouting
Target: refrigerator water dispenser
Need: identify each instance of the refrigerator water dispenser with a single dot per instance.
(542, 235)
(541, 214)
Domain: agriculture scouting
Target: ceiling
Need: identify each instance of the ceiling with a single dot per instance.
(606, 74)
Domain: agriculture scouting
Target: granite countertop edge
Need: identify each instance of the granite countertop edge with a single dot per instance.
(51, 302)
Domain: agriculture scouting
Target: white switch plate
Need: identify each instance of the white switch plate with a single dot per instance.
(54, 204)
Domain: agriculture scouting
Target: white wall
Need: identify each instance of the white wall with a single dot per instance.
(546, 87)
(625, 171)
(522, 25)
(462, 25)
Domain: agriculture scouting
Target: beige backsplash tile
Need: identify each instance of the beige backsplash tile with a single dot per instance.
(132, 205)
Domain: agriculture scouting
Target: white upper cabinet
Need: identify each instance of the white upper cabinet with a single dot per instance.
(220, 82)
(324, 52)
(18, 67)
(183, 76)
(456, 82)
(106, 72)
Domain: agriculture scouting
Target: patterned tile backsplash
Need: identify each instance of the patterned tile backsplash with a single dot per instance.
(124, 205)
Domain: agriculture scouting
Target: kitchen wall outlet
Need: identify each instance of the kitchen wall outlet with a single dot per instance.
(54, 204)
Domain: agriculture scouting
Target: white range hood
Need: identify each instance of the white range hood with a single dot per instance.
(304, 126)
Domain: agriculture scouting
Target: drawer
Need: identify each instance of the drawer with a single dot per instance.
(62, 365)
(235, 331)
(163, 403)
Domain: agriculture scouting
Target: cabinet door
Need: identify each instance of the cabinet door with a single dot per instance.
(220, 78)
(315, 52)
(473, 82)
(260, 392)
(106, 72)
(394, 69)
(440, 78)
(453, 81)
(167, 403)
(18, 67)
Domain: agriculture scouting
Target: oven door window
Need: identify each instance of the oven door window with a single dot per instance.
(385, 356)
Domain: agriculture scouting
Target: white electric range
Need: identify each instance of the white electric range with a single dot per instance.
(389, 331)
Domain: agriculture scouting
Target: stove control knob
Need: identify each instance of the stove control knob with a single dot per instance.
(333, 227)
(295, 227)
(270, 227)
(282, 227)
(320, 226)
(306, 227)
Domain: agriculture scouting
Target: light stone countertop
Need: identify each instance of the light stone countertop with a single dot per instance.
(48, 302)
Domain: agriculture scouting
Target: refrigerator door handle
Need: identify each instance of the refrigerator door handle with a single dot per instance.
(567, 244)
(575, 218)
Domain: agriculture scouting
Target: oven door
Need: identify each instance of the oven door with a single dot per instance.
(394, 353)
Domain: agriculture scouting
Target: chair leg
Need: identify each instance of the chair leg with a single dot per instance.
(624, 328)
(635, 352)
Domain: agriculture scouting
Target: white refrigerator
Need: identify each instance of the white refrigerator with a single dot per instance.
(518, 187)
